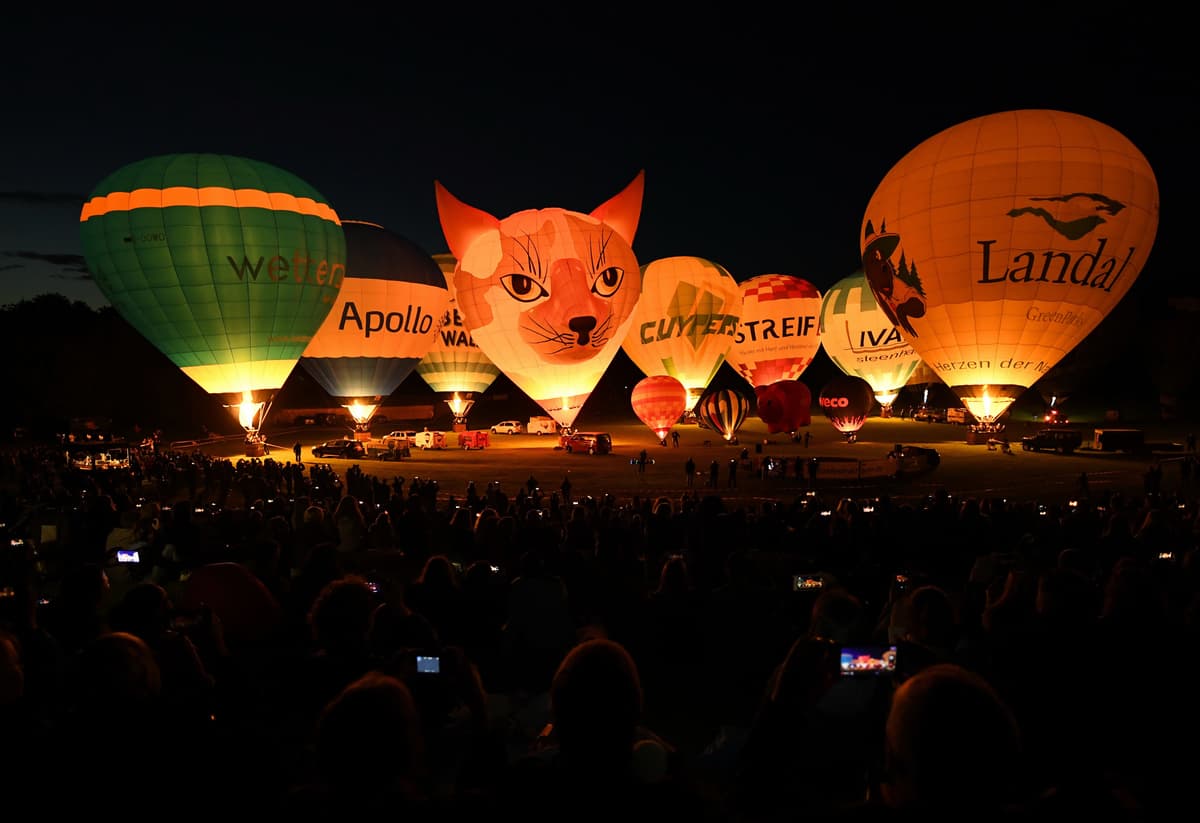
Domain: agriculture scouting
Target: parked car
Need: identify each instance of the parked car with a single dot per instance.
(348, 449)
(589, 442)
(508, 427)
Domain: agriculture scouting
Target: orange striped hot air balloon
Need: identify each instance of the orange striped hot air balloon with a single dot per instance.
(659, 401)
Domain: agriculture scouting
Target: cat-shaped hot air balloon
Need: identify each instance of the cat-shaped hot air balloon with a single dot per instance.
(547, 294)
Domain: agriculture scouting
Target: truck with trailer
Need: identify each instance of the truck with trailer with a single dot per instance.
(393, 446)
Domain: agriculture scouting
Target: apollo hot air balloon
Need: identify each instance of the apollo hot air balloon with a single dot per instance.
(227, 265)
(780, 330)
(547, 294)
(723, 411)
(455, 366)
(861, 341)
(686, 320)
(659, 401)
(998, 244)
(847, 401)
(383, 321)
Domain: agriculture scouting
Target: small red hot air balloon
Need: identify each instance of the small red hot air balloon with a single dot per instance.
(659, 401)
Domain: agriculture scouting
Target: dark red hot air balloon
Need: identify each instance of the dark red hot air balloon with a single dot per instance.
(846, 401)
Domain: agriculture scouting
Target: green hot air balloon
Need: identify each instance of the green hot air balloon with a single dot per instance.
(227, 265)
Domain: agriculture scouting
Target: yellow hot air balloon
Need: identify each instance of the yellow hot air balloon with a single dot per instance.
(998, 244)
(685, 323)
(547, 294)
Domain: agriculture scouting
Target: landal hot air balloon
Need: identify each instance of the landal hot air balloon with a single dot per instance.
(227, 265)
(685, 322)
(659, 401)
(383, 321)
(861, 341)
(547, 294)
(723, 411)
(847, 401)
(998, 244)
(455, 366)
(780, 330)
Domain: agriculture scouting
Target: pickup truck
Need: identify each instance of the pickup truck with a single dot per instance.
(1064, 441)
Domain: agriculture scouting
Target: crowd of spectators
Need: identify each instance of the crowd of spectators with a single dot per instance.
(205, 635)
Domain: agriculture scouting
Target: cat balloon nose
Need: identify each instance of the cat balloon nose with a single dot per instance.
(583, 327)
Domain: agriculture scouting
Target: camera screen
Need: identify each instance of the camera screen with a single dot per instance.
(859, 660)
(428, 665)
(806, 582)
(128, 556)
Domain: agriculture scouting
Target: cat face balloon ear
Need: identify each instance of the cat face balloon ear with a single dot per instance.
(461, 223)
(622, 212)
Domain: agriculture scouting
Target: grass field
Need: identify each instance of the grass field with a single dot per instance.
(965, 470)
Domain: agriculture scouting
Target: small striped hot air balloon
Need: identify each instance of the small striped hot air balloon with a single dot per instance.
(384, 320)
(723, 411)
(659, 401)
(227, 265)
(862, 341)
(455, 366)
(779, 333)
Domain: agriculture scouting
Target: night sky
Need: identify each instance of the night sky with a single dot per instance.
(762, 140)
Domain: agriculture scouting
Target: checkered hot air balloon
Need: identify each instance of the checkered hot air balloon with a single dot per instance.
(659, 401)
(779, 333)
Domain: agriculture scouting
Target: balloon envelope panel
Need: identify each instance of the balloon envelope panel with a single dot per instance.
(998, 244)
(227, 265)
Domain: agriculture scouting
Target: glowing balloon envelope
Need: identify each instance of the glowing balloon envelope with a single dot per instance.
(780, 330)
(659, 401)
(847, 401)
(455, 365)
(547, 294)
(685, 322)
(998, 244)
(723, 411)
(861, 341)
(382, 323)
(227, 265)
